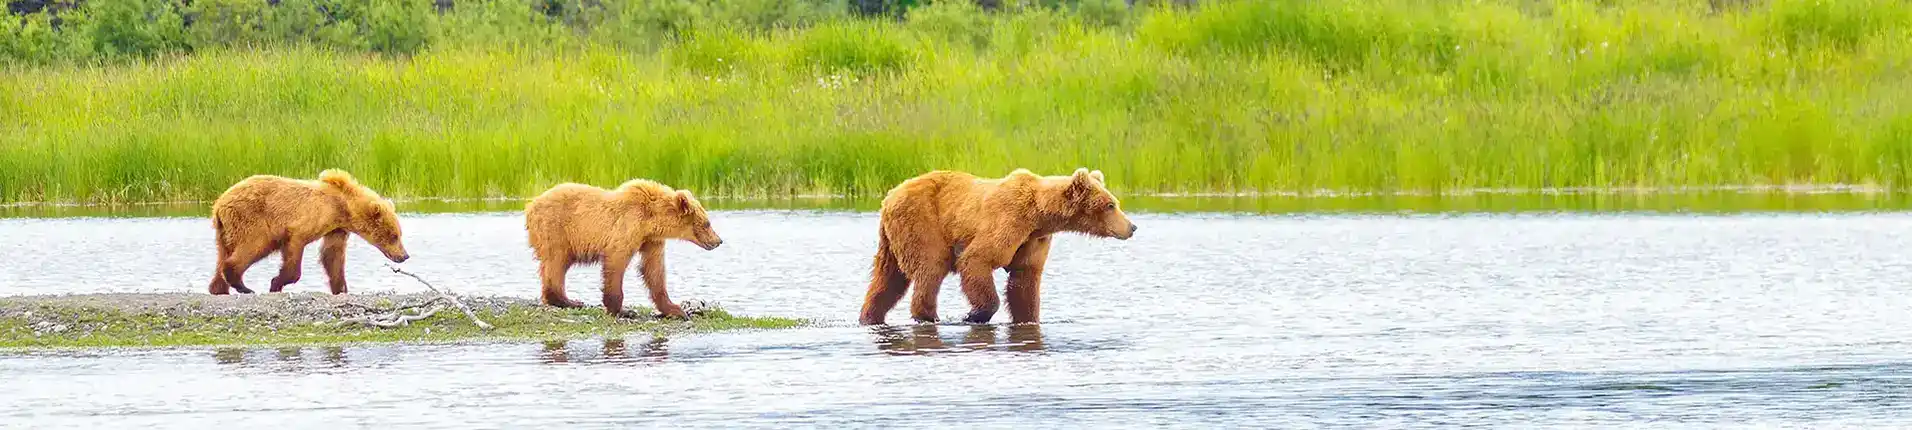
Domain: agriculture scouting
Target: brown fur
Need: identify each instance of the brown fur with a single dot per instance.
(264, 214)
(943, 222)
(573, 224)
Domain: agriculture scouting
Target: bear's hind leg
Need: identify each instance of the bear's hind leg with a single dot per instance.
(551, 271)
(219, 285)
(926, 257)
(614, 265)
(924, 286)
(242, 258)
(888, 284)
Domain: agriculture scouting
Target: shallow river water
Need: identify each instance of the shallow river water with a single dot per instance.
(1201, 321)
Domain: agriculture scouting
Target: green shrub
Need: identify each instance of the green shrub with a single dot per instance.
(133, 28)
(297, 22)
(397, 26)
(504, 23)
(647, 24)
(32, 41)
(774, 14)
(227, 23)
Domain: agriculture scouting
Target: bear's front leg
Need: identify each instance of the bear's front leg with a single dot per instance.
(1024, 289)
(1025, 295)
(652, 269)
(332, 257)
(979, 285)
(614, 266)
(977, 268)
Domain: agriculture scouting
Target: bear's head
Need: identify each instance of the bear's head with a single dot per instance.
(1085, 205)
(683, 217)
(377, 222)
(372, 217)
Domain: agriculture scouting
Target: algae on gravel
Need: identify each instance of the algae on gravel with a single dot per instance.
(162, 320)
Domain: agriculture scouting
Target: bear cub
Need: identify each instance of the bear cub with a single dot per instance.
(264, 214)
(573, 224)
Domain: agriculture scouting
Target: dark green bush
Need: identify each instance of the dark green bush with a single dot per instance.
(32, 41)
(227, 23)
(119, 29)
(132, 28)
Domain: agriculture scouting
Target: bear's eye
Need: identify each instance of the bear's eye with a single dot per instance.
(1111, 206)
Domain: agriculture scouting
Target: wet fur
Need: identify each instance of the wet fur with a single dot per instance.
(573, 224)
(946, 222)
(264, 214)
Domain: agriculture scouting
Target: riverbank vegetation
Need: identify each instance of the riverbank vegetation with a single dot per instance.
(145, 100)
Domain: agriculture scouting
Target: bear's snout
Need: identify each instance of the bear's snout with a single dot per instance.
(711, 244)
(397, 255)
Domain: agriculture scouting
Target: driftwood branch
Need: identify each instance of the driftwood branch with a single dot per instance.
(443, 294)
(370, 308)
(392, 320)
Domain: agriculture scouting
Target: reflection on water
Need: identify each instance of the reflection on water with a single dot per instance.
(609, 350)
(286, 358)
(922, 339)
(229, 355)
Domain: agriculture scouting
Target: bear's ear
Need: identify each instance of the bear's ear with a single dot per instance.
(1097, 174)
(683, 200)
(1080, 186)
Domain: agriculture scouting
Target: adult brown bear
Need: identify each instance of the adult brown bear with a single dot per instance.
(944, 221)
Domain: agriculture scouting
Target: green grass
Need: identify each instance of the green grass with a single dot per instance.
(115, 328)
(1234, 96)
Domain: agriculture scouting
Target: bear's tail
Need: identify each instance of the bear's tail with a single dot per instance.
(338, 178)
(219, 233)
(884, 269)
(887, 282)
